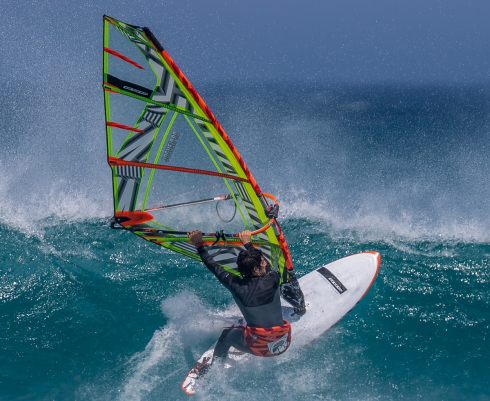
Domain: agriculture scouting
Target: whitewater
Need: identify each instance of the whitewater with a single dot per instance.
(87, 312)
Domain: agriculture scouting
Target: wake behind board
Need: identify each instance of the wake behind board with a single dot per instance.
(330, 291)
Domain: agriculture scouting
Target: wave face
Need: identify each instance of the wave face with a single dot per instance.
(91, 313)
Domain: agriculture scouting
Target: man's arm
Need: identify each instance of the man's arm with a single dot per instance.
(245, 237)
(221, 274)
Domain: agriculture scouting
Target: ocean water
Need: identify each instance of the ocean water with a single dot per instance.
(90, 313)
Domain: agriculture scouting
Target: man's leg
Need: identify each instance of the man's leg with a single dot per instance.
(292, 293)
(229, 338)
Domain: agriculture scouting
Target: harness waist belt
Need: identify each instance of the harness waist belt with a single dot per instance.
(270, 341)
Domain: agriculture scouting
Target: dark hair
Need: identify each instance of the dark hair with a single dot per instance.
(247, 260)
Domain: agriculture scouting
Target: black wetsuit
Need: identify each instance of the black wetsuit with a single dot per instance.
(258, 299)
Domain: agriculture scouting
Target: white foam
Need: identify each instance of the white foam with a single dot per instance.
(191, 325)
(29, 208)
(375, 222)
(144, 373)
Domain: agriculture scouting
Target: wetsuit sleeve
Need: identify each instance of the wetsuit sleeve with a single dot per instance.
(221, 274)
(249, 246)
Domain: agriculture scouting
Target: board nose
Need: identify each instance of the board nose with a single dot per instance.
(378, 256)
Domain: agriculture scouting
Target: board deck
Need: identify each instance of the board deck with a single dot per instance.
(330, 291)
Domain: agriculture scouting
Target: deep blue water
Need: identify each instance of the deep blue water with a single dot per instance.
(91, 313)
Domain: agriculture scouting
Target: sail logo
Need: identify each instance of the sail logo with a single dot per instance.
(135, 91)
(170, 147)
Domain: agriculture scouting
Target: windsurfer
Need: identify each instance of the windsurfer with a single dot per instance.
(256, 292)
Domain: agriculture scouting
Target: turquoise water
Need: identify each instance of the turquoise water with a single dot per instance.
(87, 312)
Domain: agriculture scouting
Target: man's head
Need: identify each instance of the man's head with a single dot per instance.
(251, 263)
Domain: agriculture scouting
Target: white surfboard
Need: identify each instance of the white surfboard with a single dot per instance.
(330, 291)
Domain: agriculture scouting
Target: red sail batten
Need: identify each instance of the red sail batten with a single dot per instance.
(124, 58)
(116, 125)
(114, 161)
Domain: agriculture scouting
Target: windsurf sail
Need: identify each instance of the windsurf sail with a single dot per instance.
(173, 166)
